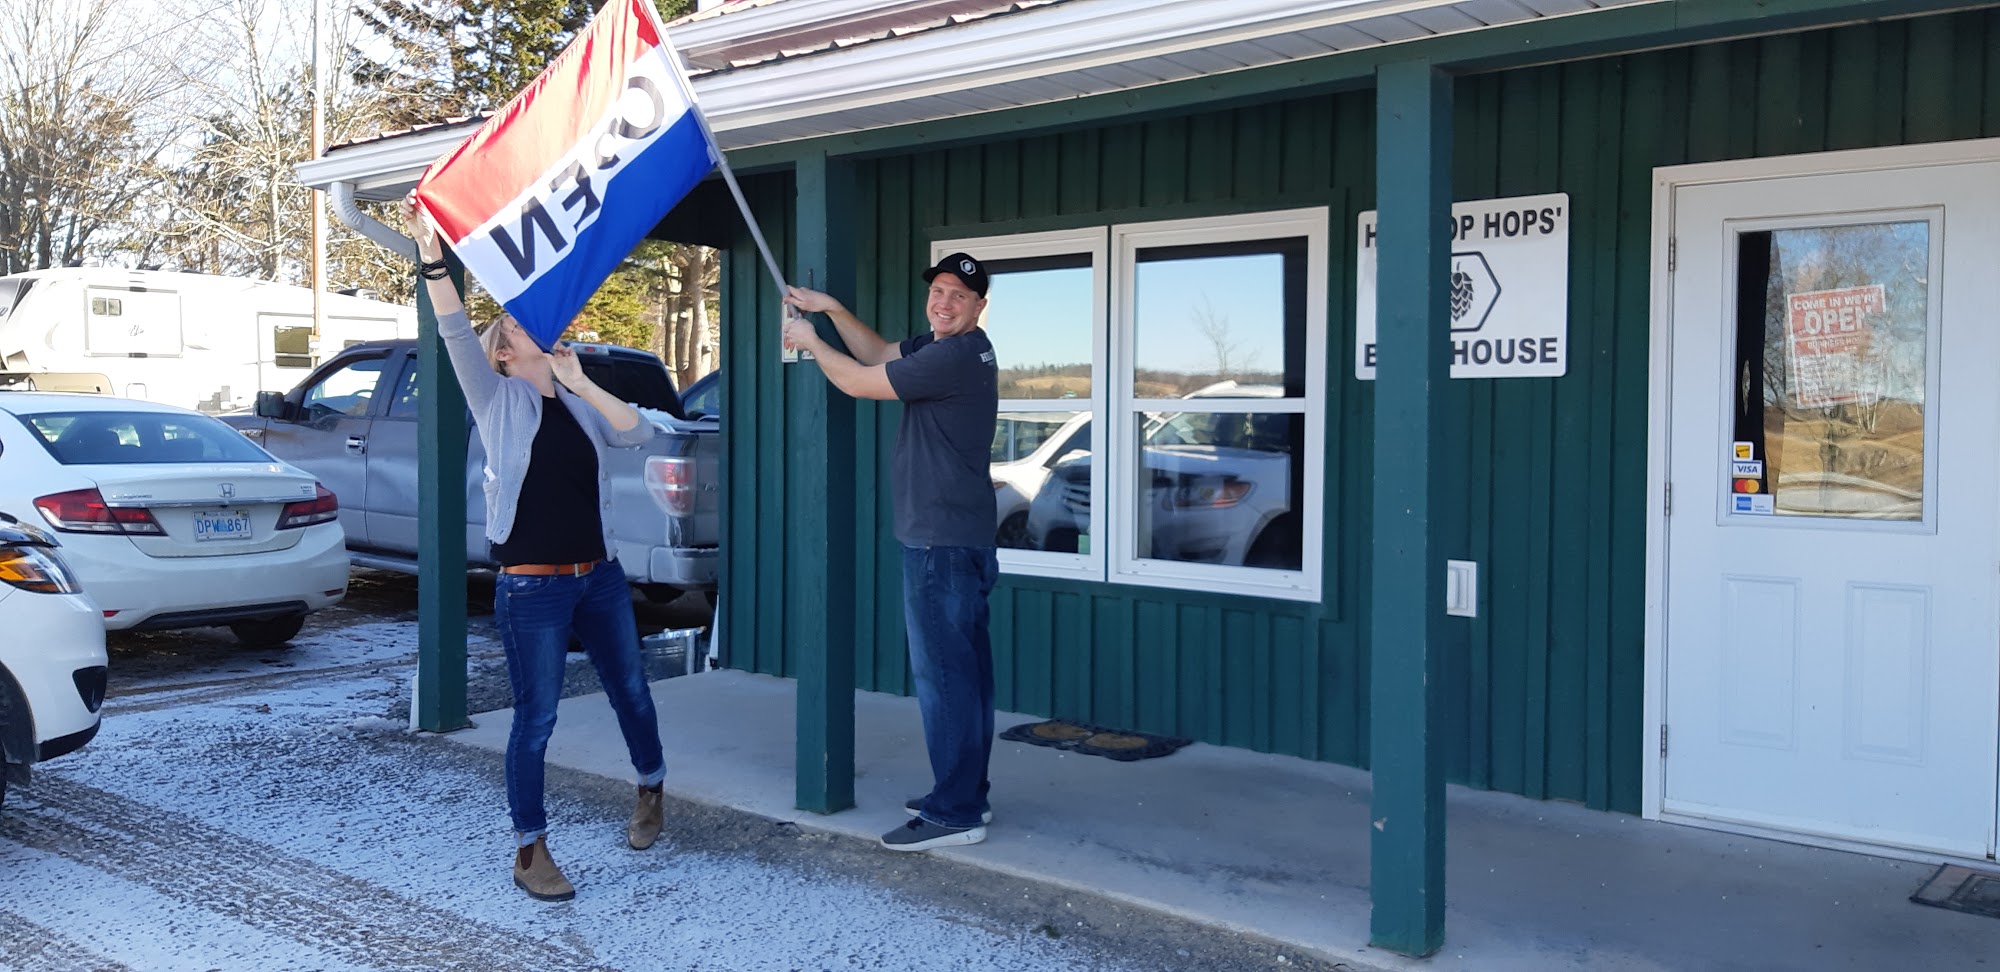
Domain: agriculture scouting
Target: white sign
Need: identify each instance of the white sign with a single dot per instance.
(1509, 289)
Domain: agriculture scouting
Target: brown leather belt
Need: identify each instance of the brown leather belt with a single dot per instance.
(552, 570)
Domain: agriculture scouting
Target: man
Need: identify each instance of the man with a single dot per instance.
(949, 386)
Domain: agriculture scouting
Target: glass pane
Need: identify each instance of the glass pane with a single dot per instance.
(1222, 321)
(1218, 488)
(1831, 369)
(292, 346)
(346, 391)
(1039, 316)
(1027, 449)
(103, 438)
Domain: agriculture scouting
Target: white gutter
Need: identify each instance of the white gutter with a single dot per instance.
(342, 195)
(387, 168)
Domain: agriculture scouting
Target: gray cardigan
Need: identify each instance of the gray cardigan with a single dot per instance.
(509, 413)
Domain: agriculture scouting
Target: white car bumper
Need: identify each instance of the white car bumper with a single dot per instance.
(138, 591)
(58, 665)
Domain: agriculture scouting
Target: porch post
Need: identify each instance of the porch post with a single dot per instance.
(442, 428)
(820, 585)
(1413, 199)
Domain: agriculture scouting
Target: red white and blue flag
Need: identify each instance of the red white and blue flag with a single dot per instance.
(547, 197)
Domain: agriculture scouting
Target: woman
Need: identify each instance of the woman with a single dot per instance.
(546, 427)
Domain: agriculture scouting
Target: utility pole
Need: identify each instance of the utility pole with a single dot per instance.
(318, 197)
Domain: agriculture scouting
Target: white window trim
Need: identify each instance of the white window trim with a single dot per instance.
(1090, 241)
(1118, 437)
(1113, 252)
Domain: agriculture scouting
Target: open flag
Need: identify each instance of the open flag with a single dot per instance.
(545, 199)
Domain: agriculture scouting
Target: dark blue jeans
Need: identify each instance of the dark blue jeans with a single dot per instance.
(536, 616)
(951, 658)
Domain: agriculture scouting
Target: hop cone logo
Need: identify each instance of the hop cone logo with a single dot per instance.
(1461, 293)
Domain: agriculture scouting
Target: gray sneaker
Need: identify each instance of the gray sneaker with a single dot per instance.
(920, 834)
(915, 805)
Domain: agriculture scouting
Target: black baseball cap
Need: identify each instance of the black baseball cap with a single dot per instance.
(965, 268)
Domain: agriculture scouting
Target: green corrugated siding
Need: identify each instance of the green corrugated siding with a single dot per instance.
(1545, 686)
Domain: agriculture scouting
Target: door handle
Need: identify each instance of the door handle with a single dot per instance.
(357, 444)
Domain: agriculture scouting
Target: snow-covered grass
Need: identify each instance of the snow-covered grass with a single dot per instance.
(295, 828)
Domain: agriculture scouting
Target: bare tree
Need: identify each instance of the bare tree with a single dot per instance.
(1214, 327)
(78, 148)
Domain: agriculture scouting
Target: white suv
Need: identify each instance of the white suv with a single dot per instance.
(52, 665)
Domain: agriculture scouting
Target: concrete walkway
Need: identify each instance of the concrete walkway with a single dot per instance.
(1278, 847)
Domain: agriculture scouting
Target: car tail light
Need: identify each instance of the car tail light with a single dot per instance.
(33, 568)
(84, 511)
(322, 508)
(671, 481)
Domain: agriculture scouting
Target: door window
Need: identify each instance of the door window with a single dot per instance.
(347, 390)
(1832, 371)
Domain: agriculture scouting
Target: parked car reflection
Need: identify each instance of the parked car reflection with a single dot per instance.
(1218, 489)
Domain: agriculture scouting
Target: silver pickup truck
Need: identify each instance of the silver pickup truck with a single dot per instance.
(353, 423)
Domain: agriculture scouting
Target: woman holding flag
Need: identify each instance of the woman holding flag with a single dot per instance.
(546, 427)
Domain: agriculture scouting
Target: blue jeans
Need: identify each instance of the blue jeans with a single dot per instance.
(951, 658)
(536, 616)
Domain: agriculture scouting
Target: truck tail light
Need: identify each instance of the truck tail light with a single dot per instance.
(671, 481)
(84, 511)
(322, 508)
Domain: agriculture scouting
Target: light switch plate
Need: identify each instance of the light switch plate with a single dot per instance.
(1461, 588)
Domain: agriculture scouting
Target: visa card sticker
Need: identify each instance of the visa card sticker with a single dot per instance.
(1747, 469)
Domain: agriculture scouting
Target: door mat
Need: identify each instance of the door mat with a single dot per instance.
(1961, 889)
(1092, 740)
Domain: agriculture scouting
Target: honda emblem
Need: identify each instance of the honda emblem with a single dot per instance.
(228, 490)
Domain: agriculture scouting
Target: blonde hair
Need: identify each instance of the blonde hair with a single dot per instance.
(492, 339)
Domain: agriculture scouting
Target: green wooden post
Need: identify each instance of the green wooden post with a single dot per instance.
(820, 581)
(442, 428)
(1413, 197)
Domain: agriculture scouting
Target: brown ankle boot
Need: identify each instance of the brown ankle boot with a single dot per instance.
(646, 814)
(537, 874)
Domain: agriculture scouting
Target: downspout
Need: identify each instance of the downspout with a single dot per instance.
(368, 226)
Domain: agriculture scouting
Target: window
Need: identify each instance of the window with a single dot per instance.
(1833, 370)
(347, 390)
(408, 400)
(105, 438)
(291, 346)
(107, 306)
(1200, 394)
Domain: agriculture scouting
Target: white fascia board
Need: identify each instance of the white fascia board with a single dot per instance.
(1034, 43)
(385, 168)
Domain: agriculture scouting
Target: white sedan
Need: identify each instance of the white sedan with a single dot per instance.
(52, 665)
(171, 518)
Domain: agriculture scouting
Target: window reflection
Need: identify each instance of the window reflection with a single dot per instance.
(1027, 449)
(1211, 314)
(1040, 323)
(1831, 373)
(1219, 488)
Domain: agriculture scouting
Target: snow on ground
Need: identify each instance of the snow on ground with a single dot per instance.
(294, 828)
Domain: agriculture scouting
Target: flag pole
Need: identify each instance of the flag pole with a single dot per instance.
(721, 159)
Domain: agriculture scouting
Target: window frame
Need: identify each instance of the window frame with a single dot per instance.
(1114, 514)
(1092, 242)
(1123, 440)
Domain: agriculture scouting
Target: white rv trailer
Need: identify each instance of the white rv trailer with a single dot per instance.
(188, 339)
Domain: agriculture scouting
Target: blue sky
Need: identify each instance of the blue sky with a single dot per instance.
(1044, 316)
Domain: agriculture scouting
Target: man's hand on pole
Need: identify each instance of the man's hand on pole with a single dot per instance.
(801, 334)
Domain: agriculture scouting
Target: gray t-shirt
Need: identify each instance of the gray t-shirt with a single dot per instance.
(950, 391)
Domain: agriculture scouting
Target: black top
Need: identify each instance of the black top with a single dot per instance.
(950, 391)
(557, 519)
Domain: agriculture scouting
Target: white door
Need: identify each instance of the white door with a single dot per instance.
(1832, 649)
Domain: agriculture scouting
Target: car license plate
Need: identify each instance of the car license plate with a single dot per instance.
(221, 525)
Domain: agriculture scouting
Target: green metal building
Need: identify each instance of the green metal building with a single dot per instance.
(1583, 399)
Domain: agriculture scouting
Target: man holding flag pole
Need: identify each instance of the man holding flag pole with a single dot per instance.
(541, 203)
